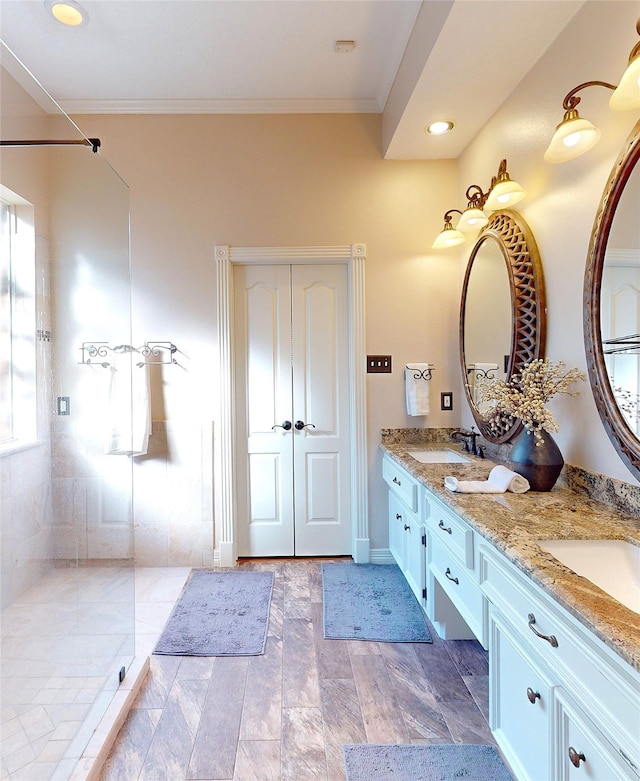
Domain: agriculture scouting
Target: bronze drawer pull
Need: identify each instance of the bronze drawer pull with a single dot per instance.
(532, 696)
(575, 757)
(406, 528)
(398, 517)
(448, 575)
(396, 481)
(549, 638)
(444, 528)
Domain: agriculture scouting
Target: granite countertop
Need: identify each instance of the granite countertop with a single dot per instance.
(514, 522)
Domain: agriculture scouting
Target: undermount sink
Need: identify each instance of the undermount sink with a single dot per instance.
(439, 457)
(612, 565)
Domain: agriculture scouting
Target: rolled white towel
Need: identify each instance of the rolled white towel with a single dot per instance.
(508, 480)
(472, 486)
(500, 480)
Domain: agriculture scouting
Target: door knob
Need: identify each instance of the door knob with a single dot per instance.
(286, 425)
(300, 424)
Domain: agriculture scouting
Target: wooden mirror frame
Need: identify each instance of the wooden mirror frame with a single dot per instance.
(528, 305)
(621, 436)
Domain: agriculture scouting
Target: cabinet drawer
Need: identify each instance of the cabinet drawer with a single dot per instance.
(401, 483)
(600, 680)
(461, 589)
(450, 531)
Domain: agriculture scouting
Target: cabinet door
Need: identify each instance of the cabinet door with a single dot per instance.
(583, 753)
(415, 551)
(398, 515)
(519, 703)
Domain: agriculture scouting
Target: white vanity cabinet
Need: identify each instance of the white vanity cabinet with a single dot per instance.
(562, 705)
(406, 533)
(455, 604)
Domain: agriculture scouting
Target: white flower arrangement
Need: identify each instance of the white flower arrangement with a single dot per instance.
(526, 394)
(629, 404)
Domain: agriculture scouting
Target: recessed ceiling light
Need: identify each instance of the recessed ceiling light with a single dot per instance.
(439, 127)
(68, 12)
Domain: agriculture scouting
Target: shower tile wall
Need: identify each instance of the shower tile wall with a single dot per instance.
(173, 497)
(172, 504)
(25, 476)
(26, 512)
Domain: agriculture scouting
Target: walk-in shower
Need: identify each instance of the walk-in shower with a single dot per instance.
(67, 575)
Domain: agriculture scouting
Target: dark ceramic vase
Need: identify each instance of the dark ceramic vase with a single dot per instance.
(541, 464)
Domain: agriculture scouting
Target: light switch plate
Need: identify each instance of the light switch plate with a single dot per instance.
(378, 364)
(446, 401)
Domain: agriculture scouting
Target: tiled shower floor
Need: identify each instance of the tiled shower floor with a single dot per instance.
(63, 644)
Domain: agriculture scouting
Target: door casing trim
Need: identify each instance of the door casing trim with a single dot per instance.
(353, 256)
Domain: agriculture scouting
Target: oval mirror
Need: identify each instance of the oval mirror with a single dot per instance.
(612, 305)
(502, 313)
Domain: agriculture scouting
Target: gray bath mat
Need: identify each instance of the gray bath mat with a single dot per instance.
(219, 614)
(449, 762)
(370, 602)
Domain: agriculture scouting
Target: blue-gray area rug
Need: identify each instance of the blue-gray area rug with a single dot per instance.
(219, 614)
(439, 762)
(370, 602)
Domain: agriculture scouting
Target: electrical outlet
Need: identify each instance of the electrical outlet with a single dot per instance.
(446, 401)
(63, 405)
(378, 364)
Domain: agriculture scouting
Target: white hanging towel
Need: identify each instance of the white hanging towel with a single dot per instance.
(417, 388)
(129, 410)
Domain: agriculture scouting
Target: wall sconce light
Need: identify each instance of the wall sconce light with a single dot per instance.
(473, 218)
(449, 236)
(575, 135)
(502, 193)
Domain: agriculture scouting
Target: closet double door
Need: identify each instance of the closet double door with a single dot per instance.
(292, 410)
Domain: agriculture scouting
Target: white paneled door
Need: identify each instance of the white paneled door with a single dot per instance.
(292, 410)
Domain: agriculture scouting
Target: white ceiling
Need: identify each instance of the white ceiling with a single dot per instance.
(413, 61)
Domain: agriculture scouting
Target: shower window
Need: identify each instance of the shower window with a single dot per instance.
(17, 322)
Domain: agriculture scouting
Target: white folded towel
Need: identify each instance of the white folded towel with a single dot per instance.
(500, 480)
(417, 388)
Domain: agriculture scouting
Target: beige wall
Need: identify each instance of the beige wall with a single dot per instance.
(563, 199)
(198, 181)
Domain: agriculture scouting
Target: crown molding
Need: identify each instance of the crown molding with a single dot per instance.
(212, 106)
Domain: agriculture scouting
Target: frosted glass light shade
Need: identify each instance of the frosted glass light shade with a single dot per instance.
(449, 237)
(626, 95)
(503, 195)
(472, 219)
(573, 137)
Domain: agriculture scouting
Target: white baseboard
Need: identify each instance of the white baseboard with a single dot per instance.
(381, 556)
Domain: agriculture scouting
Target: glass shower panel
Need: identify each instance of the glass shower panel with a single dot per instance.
(67, 568)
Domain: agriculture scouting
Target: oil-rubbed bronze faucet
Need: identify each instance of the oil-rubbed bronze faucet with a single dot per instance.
(468, 440)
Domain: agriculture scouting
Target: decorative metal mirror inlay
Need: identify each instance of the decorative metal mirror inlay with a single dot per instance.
(502, 313)
(612, 305)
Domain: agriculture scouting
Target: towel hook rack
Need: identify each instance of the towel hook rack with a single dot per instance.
(421, 374)
(154, 353)
(480, 374)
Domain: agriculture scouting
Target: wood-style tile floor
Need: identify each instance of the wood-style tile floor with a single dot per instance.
(286, 714)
